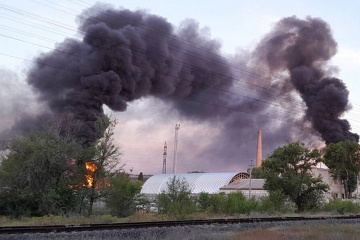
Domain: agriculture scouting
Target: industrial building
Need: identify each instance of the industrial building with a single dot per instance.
(213, 183)
(198, 182)
(253, 188)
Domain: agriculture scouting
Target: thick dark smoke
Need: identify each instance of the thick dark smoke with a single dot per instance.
(302, 47)
(125, 56)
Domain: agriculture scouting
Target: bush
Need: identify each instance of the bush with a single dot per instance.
(120, 195)
(237, 203)
(233, 203)
(176, 201)
(342, 206)
(274, 202)
(203, 202)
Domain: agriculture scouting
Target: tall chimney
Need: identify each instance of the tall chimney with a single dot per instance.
(259, 150)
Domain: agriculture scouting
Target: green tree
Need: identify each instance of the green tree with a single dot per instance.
(120, 195)
(288, 170)
(257, 173)
(343, 160)
(105, 162)
(176, 201)
(39, 175)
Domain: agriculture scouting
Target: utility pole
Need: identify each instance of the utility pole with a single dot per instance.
(164, 159)
(177, 127)
(251, 167)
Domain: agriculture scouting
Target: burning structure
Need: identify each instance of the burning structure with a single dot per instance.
(126, 55)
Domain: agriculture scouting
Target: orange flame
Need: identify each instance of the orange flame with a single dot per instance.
(89, 178)
(90, 166)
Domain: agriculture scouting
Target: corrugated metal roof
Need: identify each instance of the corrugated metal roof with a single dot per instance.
(198, 182)
(244, 184)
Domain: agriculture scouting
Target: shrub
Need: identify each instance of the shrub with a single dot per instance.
(274, 202)
(203, 202)
(176, 201)
(237, 203)
(120, 195)
(233, 203)
(342, 206)
(217, 203)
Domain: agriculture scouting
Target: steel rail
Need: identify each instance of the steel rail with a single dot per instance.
(135, 225)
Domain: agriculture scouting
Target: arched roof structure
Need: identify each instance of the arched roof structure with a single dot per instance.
(198, 182)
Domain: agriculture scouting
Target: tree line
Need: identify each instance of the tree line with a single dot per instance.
(49, 172)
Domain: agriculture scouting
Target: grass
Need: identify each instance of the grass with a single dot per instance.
(153, 217)
(318, 232)
(341, 207)
(137, 217)
(331, 209)
(59, 220)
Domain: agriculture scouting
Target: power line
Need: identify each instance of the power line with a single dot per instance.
(108, 12)
(180, 97)
(48, 29)
(226, 91)
(182, 62)
(35, 16)
(242, 72)
(219, 89)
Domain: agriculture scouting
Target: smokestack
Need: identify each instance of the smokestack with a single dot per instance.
(259, 150)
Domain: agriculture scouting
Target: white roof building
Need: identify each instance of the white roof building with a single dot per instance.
(198, 182)
(213, 183)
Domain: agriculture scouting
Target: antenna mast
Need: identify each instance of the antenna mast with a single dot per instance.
(177, 127)
(164, 159)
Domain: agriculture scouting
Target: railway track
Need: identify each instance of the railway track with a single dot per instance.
(137, 225)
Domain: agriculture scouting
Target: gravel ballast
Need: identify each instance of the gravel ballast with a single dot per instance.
(213, 231)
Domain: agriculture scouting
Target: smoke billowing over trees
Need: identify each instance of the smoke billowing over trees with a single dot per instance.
(125, 56)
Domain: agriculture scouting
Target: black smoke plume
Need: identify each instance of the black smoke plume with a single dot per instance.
(302, 48)
(125, 56)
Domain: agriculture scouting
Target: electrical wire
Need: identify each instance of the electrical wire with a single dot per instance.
(218, 89)
(243, 72)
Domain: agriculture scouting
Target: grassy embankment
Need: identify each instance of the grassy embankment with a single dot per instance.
(334, 207)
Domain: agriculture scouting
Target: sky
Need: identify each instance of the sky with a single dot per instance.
(148, 123)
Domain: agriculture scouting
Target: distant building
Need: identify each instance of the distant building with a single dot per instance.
(213, 183)
(336, 188)
(198, 182)
(254, 189)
